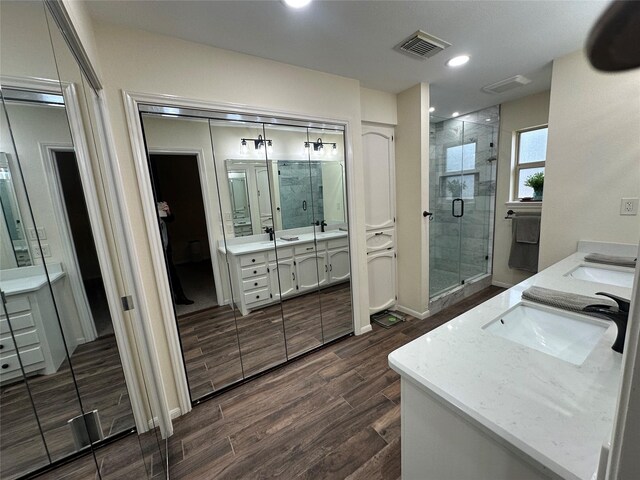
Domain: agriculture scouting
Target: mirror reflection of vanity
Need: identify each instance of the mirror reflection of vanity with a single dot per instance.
(14, 247)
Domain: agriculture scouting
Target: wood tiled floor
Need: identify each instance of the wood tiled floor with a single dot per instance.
(333, 414)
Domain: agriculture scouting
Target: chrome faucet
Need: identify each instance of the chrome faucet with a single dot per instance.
(619, 315)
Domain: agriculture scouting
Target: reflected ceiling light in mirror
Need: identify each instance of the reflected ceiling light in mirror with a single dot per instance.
(296, 3)
(432, 109)
(455, 114)
(457, 61)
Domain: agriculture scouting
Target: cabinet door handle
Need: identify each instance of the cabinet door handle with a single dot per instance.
(326, 269)
(331, 267)
(1, 346)
(256, 284)
(257, 296)
(293, 274)
(5, 366)
(255, 271)
(379, 233)
(309, 248)
(253, 260)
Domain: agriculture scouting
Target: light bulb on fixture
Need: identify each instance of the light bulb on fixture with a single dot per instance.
(269, 147)
(243, 147)
(334, 150)
(306, 148)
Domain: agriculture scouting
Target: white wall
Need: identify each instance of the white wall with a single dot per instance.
(378, 107)
(412, 198)
(526, 112)
(593, 157)
(138, 61)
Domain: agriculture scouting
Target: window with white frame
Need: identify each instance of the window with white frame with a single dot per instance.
(531, 154)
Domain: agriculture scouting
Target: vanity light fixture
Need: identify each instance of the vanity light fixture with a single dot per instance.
(457, 61)
(318, 146)
(258, 143)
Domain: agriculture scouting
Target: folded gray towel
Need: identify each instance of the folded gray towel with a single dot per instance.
(564, 300)
(289, 238)
(611, 260)
(527, 228)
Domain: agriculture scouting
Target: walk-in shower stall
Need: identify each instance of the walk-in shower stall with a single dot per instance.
(462, 176)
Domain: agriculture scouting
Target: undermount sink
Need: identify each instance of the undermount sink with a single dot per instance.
(565, 335)
(618, 276)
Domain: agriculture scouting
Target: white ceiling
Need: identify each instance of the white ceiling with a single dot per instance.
(356, 38)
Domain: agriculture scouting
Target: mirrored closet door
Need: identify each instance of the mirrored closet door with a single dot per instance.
(63, 391)
(276, 243)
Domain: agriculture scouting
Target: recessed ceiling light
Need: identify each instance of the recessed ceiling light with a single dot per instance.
(432, 109)
(296, 3)
(457, 61)
(455, 114)
(487, 119)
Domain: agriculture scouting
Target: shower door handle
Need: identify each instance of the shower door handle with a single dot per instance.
(304, 205)
(453, 207)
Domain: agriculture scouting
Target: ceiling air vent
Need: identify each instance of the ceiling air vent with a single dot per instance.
(506, 84)
(422, 45)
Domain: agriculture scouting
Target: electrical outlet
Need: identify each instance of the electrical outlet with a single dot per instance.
(42, 233)
(629, 206)
(46, 250)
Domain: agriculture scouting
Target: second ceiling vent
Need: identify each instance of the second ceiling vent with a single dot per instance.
(422, 45)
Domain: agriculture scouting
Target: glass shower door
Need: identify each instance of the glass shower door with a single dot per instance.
(448, 189)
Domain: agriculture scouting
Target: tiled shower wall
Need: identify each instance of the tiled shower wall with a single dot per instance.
(300, 187)
(460, 248)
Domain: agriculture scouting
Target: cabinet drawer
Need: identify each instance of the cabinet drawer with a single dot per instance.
(253, 283)
(339, 243)
(16, 305)
(305, 248)
(18, 322)
(22, 339)
(256, 296)
(254, 259)
(10, 363)
(381, 239)
(258, 270)
(286, 252)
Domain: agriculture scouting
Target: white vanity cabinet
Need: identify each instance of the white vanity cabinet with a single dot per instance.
(264, 277)
(35, 328)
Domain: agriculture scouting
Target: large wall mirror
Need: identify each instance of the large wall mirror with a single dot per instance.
(63, 390)
(271, 280)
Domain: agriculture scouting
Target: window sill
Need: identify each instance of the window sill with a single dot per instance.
(525, 206)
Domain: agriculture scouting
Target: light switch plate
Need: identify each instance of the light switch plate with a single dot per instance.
(629, 206)
(42, 233)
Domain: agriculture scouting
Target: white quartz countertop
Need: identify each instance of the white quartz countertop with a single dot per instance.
(264, 245)
(31, 283)
(549, 411)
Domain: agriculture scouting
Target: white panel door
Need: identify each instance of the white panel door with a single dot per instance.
(379, 177)
(381, 267)
(338, 265)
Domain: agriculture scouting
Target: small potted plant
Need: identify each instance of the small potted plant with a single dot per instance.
(536, 181)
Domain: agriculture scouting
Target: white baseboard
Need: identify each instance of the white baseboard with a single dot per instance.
(501, 284)
(413, 313)
(173, 413)
(365, 329)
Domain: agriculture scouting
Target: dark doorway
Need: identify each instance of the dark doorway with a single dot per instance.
(82, 238)
(176, 181)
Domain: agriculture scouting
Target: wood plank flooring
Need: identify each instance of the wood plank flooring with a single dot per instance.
(102, 386)
(333, 414)
(221, 348)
